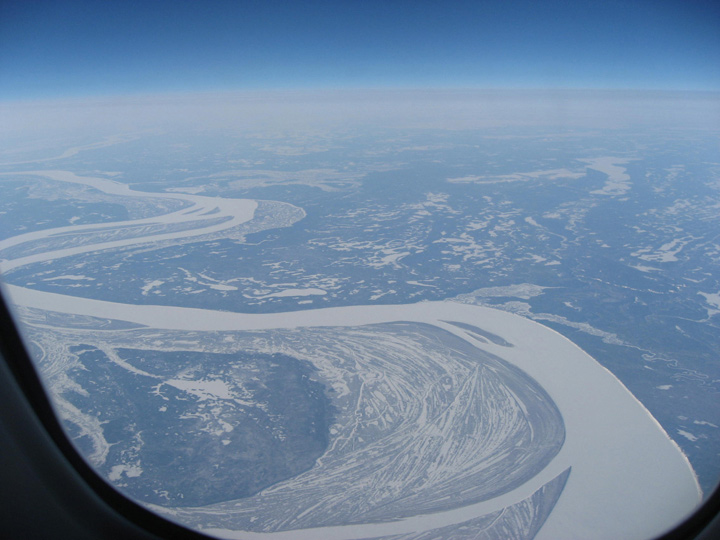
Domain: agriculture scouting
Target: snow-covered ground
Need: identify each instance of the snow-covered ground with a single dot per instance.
(616, 472)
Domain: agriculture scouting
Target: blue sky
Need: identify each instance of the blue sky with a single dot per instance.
(67, 49)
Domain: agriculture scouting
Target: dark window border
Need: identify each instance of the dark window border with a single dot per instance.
(125, 519)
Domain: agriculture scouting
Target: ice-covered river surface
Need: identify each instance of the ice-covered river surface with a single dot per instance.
(451, 421)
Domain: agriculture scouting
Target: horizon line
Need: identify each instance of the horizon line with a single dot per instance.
(350, 90)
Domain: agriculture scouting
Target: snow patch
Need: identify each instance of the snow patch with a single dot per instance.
(203, 388)
(295, 292)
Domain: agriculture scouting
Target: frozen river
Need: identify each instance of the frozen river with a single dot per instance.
(622, 463)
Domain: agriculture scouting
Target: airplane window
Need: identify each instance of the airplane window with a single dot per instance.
(373, 271)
